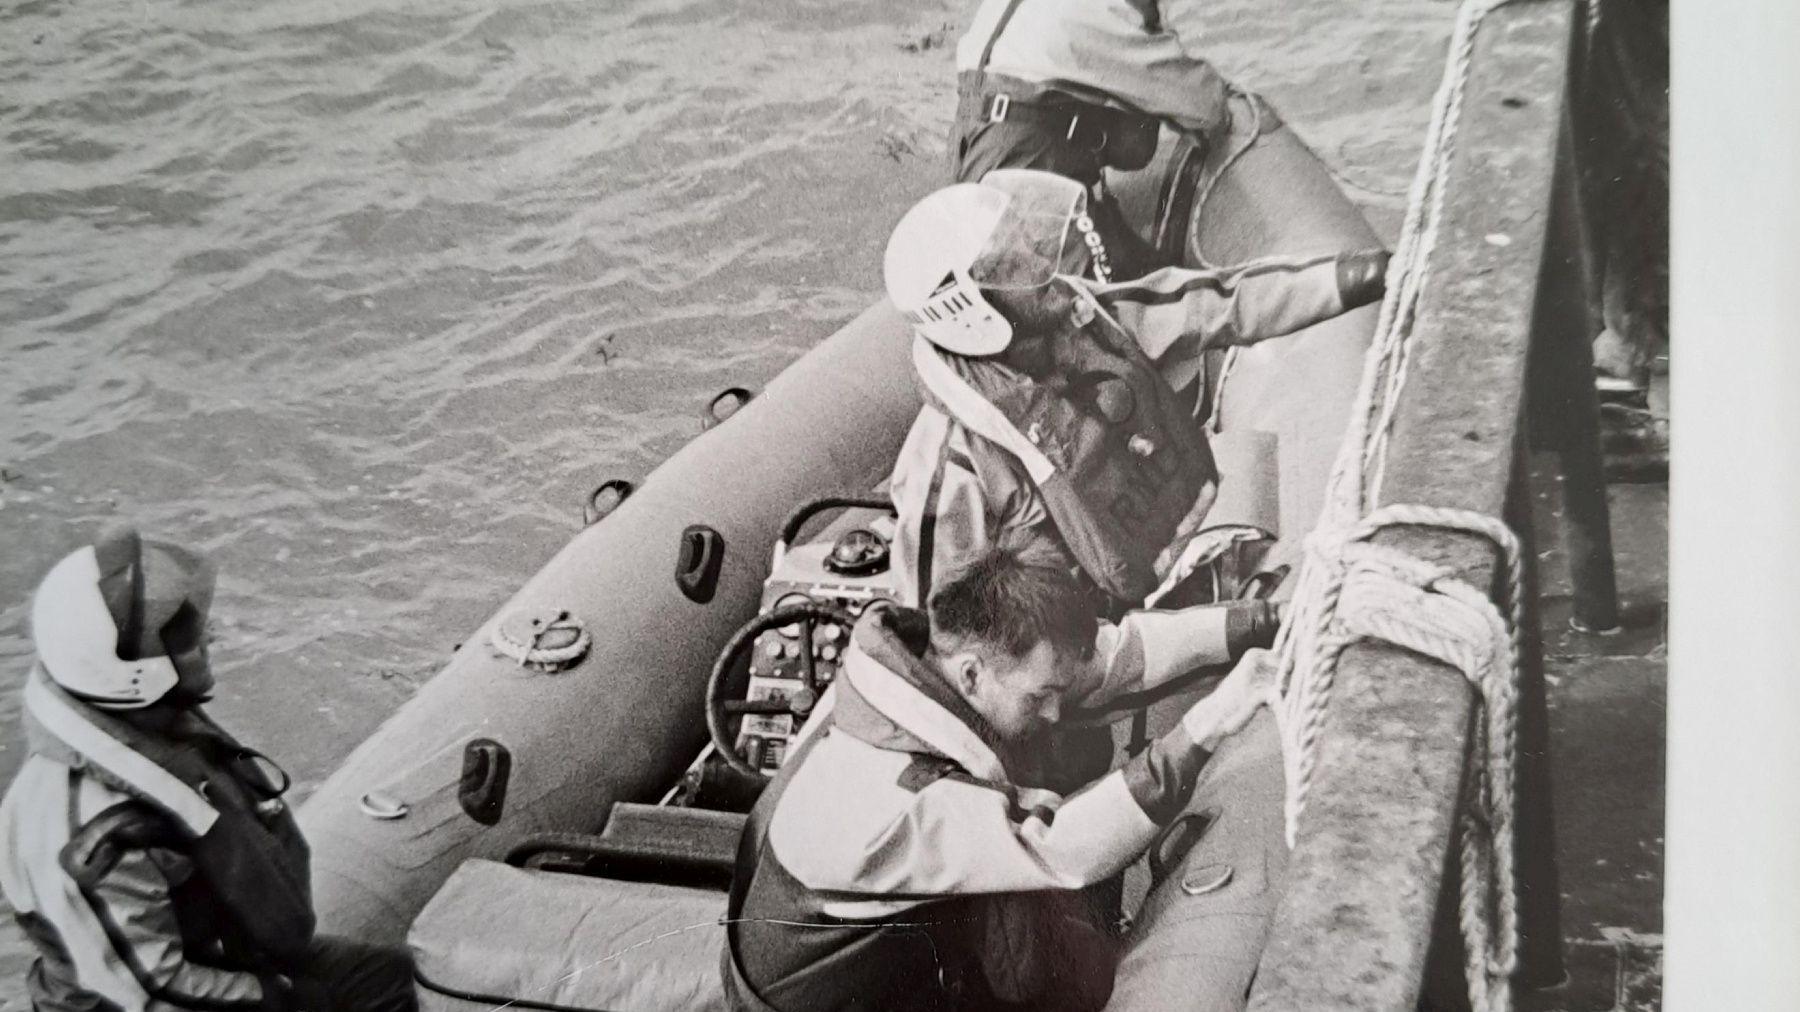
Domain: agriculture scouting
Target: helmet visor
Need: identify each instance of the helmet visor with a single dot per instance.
(1035, 238)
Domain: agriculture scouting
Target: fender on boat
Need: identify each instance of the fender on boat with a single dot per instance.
(623, 723)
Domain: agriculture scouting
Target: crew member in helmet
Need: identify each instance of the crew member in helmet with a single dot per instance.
(1050, 407)
(1076, 86)
(148, 855)
(1052, 425)
(896, 862)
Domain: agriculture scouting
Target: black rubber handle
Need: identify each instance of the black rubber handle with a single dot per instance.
(1174, 842)
(698, 562)
(640, 860)
(790, 528)
(595, 509)
(736, 396)
(487, 767)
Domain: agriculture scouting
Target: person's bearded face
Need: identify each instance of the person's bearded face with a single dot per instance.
(1036, 314)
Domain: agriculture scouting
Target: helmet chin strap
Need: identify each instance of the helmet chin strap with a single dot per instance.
(193, 686)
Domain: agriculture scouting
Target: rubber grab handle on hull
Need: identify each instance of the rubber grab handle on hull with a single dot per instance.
(723, 405)
(790, 528)
(1174, 842)
(487, 766)
(607, 496)
(697, 565)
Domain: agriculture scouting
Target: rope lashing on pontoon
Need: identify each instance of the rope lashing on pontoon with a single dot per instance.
(1352, 590)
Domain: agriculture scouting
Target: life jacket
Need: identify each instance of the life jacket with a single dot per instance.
(831, 958)
(922, 958)
(223, 812)
(1120, 460)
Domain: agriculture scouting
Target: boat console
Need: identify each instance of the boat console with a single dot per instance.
(815, 593)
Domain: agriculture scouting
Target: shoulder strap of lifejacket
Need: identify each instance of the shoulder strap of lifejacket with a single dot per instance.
(66, 721)
(943, 388)
(928, 521)
(127, 826)
(987, 51)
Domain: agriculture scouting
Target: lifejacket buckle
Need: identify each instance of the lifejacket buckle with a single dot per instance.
(998, 107)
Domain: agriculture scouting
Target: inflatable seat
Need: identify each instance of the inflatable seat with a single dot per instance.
(496, 935)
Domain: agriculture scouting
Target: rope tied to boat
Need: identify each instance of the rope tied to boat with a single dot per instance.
(1352, 590)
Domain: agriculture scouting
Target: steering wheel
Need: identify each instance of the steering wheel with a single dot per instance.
(721, 711)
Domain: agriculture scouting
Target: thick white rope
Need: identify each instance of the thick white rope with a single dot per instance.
(537, 648)
(1351, 590)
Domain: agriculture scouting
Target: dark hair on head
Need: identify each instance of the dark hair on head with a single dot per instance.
(1006, 601)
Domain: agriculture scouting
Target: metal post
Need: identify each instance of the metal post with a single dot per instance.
(1564, 324)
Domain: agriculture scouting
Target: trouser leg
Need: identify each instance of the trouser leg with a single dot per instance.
(1048, 951)
(356, 977)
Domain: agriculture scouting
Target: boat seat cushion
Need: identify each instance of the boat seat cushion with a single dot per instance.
(498, 935)
(695, 834)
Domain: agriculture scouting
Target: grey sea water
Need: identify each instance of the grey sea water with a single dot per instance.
(360, 297)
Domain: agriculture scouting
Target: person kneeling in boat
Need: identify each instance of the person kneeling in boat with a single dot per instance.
(1050, 406)
(147, 854)
(896, 863)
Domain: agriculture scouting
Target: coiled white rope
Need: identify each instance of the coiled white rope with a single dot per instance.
(548, 643)
(1351, 590)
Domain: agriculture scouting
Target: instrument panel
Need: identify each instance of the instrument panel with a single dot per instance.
(850, 572)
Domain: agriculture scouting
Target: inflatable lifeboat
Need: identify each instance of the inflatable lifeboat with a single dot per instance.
(551, 821)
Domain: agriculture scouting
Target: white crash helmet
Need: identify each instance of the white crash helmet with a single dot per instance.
(1015, 230)
(100, 619)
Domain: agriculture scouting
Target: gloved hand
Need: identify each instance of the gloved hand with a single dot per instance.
(1230, 706)
(1161, 777)
(1362, 277)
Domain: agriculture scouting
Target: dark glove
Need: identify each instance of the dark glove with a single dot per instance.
(1250, 624)
(1362, 277)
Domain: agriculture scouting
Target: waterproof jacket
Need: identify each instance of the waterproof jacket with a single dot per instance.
(883, 864)
(151, 871)
(969, 477)
(1119, 461)
(1138, 54)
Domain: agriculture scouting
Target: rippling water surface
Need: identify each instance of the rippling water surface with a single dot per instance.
(361, 296)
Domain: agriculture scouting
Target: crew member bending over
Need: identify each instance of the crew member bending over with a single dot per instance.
(895, 862)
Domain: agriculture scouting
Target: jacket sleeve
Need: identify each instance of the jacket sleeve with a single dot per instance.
(958, 838)
(953, 497)
(132, 903)
(1178, 313)
(1148, 648)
